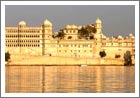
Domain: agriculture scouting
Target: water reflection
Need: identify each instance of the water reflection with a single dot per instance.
(68, 79)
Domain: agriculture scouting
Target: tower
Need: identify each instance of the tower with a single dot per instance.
(46, 36)
(97, 36)
(47, 29)
(98, 26)
(19, 39)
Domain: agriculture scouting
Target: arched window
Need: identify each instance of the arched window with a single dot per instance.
(69, 37)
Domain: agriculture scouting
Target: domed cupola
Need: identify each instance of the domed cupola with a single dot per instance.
(47, 22)
(98, 20)
(120, 37)
(131, 35)
(98, 26)
(22, 24)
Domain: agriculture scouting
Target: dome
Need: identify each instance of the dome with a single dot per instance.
(131, 35)
(79, 27)
(98, 20)
(74, 27)
(68, 27)
(126, 37)
(120, 37)
(46, 22)
(22, 23)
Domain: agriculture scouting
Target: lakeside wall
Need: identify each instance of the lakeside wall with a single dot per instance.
(47, 60)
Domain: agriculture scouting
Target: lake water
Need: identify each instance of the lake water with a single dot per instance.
(70, 79)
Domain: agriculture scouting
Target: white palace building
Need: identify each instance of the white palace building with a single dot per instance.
(39, 41)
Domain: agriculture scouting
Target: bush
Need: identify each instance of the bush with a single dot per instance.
(102, 54)
(117, 56)
(7, 56)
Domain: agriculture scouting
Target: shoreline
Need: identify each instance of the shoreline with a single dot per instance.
(65, 61)
(64, 65)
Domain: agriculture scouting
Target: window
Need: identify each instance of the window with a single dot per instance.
(119, 49)
(103, 44)
(69, 37)
(129, 44)
(120, 44)
(79, 46)
(123, 44)
(67, 45)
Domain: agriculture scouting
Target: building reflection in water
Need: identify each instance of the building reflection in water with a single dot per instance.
(70, 79)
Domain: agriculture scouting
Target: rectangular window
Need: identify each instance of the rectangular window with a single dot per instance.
(103, 44)
(123, 44)
(79, 46)
(129, 44)
(67, 45)
(120, 44)
(119, 49)
(73, 31)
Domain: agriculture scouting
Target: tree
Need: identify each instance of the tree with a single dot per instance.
(60, 34)
(102, 54)
(91, 29)
(83, 32)
(7, 56)
(87, 31)
(117, 56)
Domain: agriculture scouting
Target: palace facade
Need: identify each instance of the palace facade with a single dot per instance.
(37, 41)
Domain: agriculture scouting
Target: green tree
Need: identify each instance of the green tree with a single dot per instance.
(61, 34)
(91, 29)
(87, 31)
(83, 32)
(7, 56)
(102, 54)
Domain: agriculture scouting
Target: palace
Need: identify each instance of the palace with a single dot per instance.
(40, 40)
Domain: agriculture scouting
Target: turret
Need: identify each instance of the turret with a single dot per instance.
(22, 24)
(46, 36)
(98, 26)
(98, 35)
(47, 29)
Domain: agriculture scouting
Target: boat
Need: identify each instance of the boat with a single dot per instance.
(83, 65)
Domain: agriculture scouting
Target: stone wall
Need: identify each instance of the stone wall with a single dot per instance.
(47, 60)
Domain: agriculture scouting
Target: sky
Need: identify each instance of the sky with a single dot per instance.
(116, 19)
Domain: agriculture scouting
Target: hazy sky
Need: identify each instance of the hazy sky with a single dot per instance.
(116, 19)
